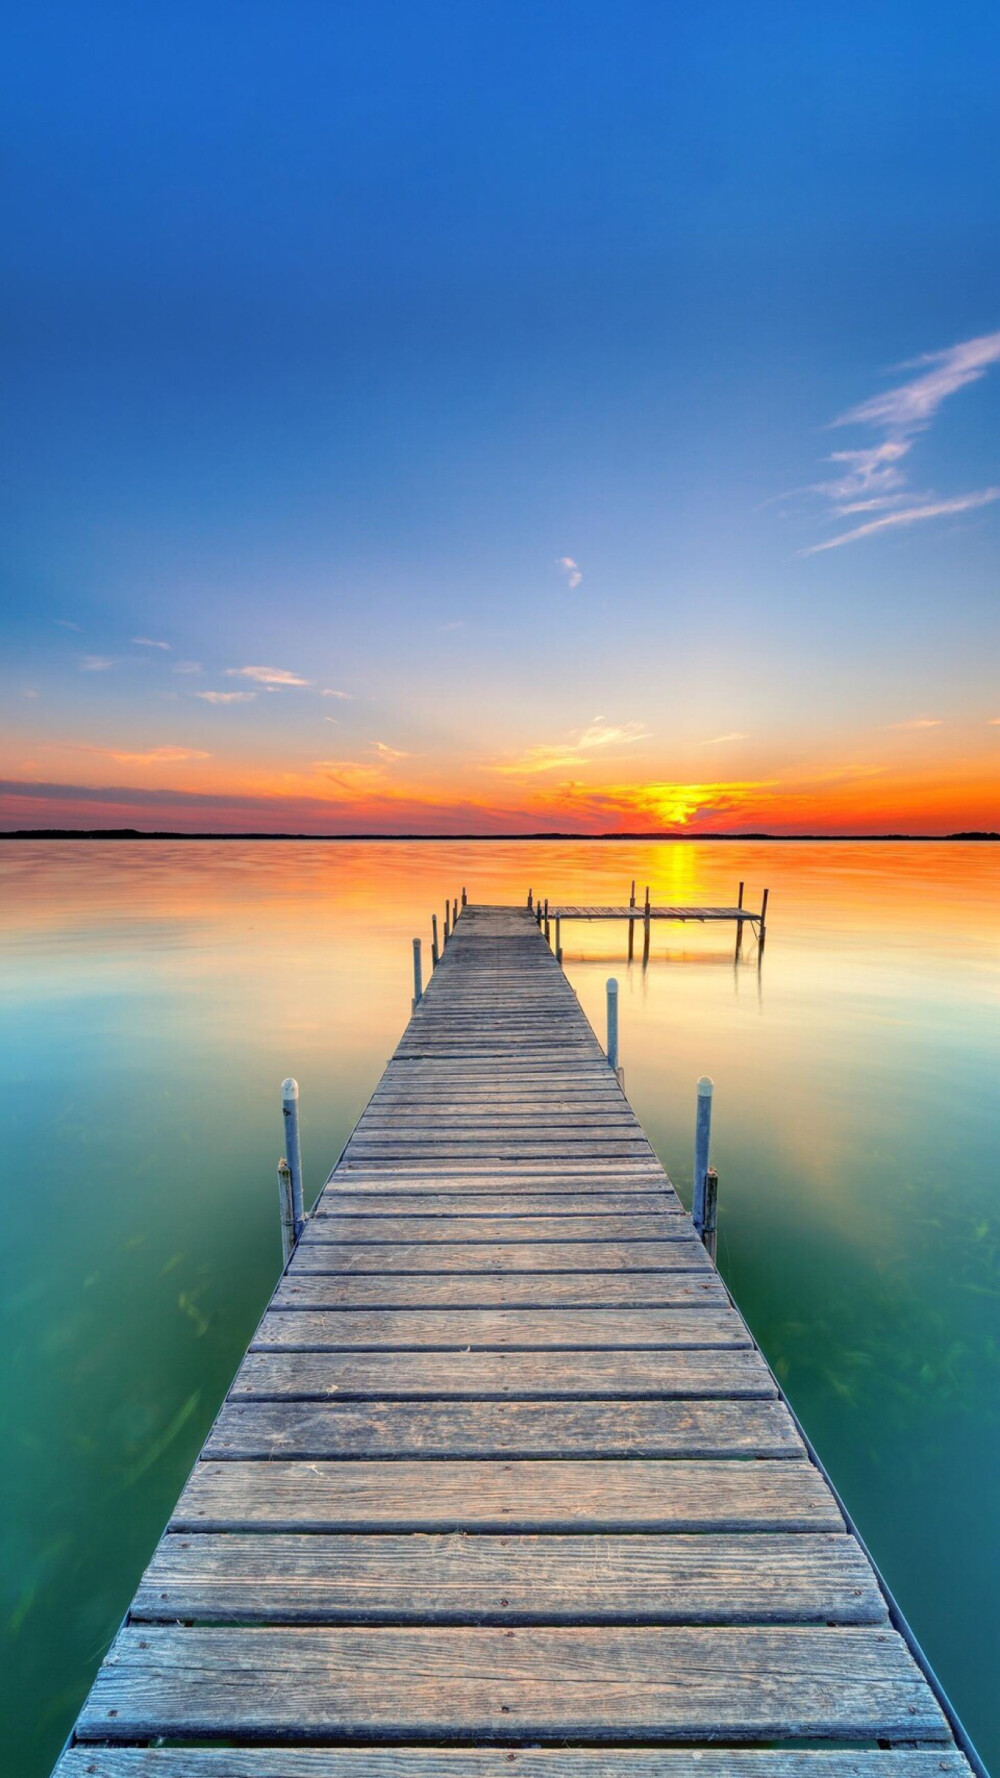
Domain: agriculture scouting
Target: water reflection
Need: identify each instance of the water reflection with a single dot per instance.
(153, 998)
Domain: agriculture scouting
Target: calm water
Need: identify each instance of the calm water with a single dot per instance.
(153, 997)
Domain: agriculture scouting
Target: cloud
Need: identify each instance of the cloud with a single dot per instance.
(871, 478)
(226, 697)
(918, 722)
(329, 692)
(96, 663)
(993, 721)
(457, 623)
(716, 740)
(389, 755)
(577, 749)
(910, 407)
(267, 675)
(187, 666)
(907, 515)
(64, 624)
(571, 570)
(157, 756)
(147, 642)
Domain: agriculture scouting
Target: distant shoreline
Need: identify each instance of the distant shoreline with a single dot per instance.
(135, 833)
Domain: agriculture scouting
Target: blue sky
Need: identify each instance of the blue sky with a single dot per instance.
(332, 332)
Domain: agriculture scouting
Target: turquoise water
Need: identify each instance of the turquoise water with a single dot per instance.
(153, 997)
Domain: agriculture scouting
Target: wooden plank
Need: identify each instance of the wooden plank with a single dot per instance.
(507, 1496)
(607, 1684)
(312, 1281)
(455, 1578)
(683, 1253)
(331, 1225)
(694, 1428)
(498, 1376)
(91, 1761)
(371, 1201)
(525, 1330)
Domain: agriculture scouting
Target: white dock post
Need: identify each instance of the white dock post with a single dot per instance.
(702, 1133)
(434, 941)
(613, 1024)
(286, 1212)
(417, 975)
(293, 1148)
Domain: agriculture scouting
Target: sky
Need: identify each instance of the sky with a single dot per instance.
(438, 418)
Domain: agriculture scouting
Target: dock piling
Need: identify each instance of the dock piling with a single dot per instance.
(763, 924)
(435, 953)
(293, 1148)
(454, 913)
(702, 1134)
(645, 932)
(558, 939)
(447, 928)
(547, 934)
(631, 924)
(465, 898)
(417, 975)
(739, 927)
(612, 1024)
(709, 1232)
(529, 901)
(286, 1211)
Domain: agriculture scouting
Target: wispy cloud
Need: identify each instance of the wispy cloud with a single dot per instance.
(578, 747)
(571, 570)
(64, 624)
(226, 697)
(717, 740)
(918, 722)
(148, 642)
(907, 515)
(457, 623)
(96, 663)
(329, 692)
(187, 667)
(272, 676)
(871, 478)
(154, 756)
(389, 755)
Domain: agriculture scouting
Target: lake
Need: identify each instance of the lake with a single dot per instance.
(154, 995)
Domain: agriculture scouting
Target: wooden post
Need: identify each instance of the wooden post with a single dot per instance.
(709, 1229)
(454, 914)
(417, 974)
(763, 924)
(529, 900)
(465, 898)
(293, 1148)
(447, 929)
(702, 1134)
(558, 940)
(613, 1024)
(739, 926)
(285, 1211)
(631, 924)
(435, 954)
(546, 919)
(646, 926)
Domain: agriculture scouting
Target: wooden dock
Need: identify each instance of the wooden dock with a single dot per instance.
(503, 1483)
